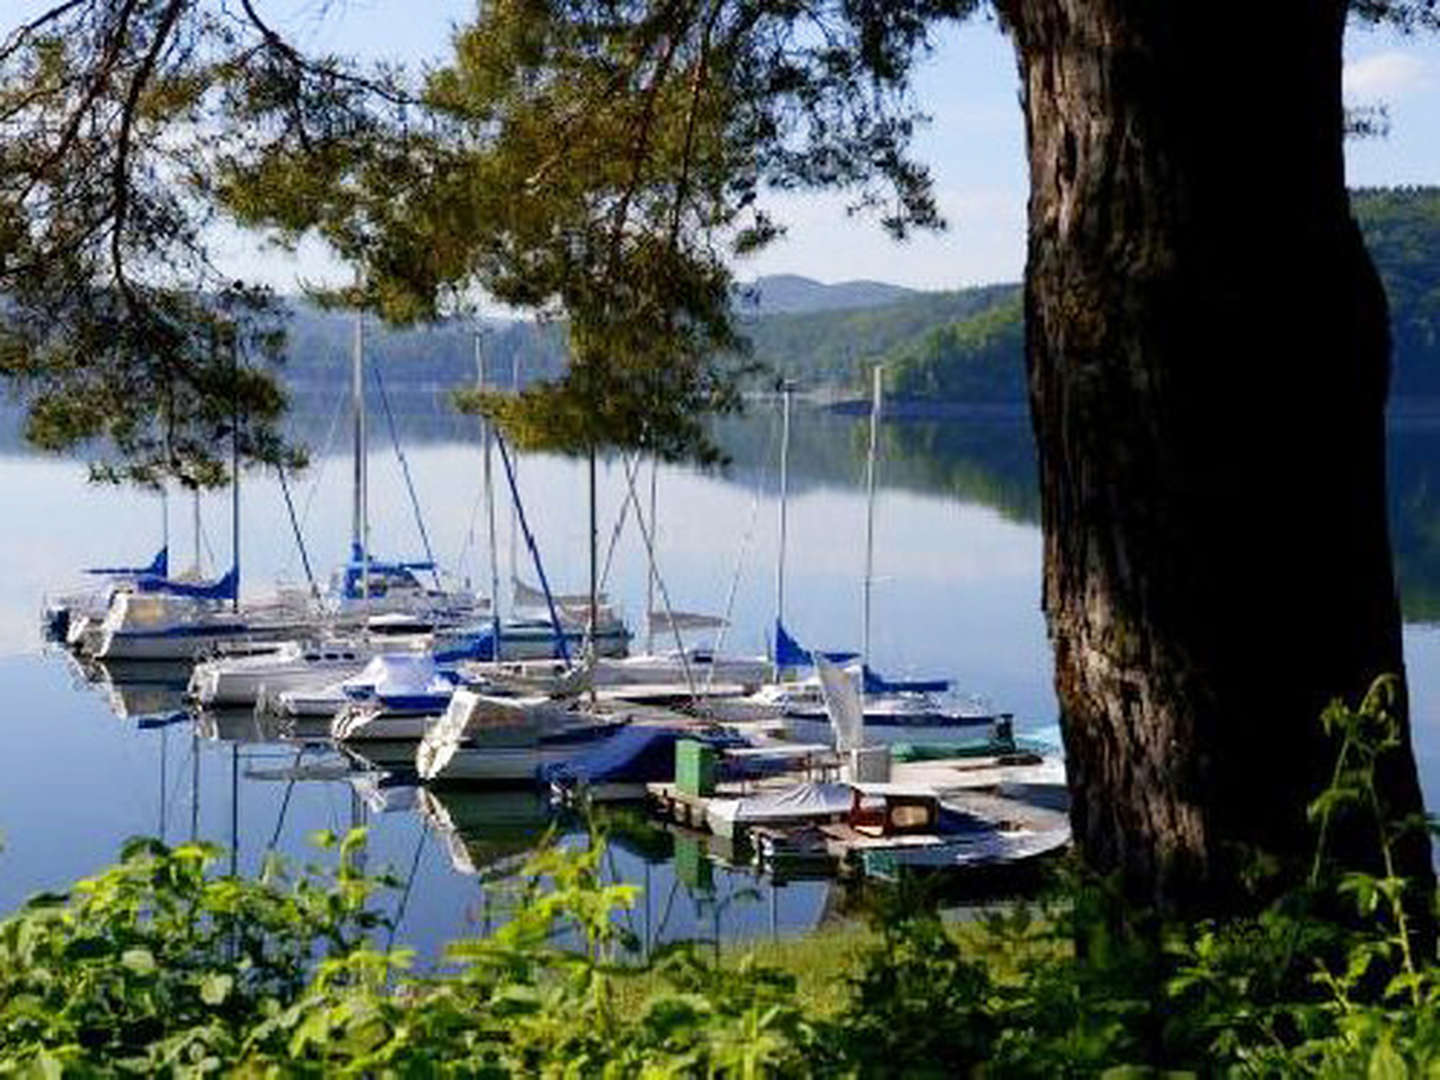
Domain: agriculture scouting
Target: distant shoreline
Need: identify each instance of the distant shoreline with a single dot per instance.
(922, 409)
(1402, 412)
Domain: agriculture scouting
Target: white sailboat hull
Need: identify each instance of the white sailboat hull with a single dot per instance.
(486, 739)
(241, 682)
(193, 642)
(496, 764)
(243, 689)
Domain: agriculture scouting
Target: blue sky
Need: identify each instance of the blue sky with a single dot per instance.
(974, 145)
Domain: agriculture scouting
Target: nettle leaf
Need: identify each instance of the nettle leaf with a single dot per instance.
(140, 961)
(215, 988)
(1386, 1063)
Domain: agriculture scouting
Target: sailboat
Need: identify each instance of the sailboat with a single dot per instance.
(74, 617)
(487, 739)
(376, 607)
(155, 617)
(365, 586)
(800, 701)
(65, 612)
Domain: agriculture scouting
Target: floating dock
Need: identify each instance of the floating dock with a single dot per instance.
(943, 812)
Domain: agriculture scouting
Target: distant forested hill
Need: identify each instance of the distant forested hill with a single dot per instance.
(824, 335)
(802, 328)
(1402, 231)
(835, 347)
(790, 293)
(979, 359)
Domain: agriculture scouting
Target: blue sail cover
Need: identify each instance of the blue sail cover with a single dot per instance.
(479, 645)
(877, 684)
(227, 588)
(159, 567)
(790, 653)
(353, 586)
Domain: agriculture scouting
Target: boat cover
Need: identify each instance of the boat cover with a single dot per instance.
(227, 588)
(159, 567)
(636, 754)
(394, 674)
(799, 802)
(790, 653)
(878, 684)
(686, 620)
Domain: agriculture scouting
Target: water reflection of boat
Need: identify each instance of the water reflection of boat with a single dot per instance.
(382, 793)
(148, 693)
(486, 832)
(239, 726)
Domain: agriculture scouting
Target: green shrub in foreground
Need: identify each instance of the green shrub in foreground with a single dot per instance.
(158, 967)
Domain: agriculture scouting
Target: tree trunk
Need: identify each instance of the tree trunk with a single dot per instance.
(1208, 352)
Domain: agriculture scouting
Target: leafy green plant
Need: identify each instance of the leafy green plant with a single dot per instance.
(157, 966)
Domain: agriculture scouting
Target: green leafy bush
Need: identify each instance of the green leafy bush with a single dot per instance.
(158, 967)
(155, 965)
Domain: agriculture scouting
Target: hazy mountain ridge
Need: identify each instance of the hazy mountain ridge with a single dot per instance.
(792, 294)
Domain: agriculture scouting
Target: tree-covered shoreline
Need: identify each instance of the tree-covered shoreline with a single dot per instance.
(942, 350)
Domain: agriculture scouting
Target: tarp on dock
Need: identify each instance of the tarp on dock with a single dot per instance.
(637, 754)
(799, 802)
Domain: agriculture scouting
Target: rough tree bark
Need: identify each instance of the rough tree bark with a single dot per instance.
(1208, 358)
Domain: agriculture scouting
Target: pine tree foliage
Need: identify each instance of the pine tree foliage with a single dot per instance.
(601, 160)
(603, 163)
(118, 329)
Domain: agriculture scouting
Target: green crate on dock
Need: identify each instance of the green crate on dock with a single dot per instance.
(694, 767)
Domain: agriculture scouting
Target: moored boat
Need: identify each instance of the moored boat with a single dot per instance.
(180, 624)
(484, 738)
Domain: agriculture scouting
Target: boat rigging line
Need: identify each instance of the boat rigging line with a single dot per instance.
(746, 542)
(285, 800)
(409, 885)
(631, 467)
(405, 471)
(534, 551)
(488, 489)
(295, 527)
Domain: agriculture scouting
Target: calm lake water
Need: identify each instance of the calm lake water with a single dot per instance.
(957, 585)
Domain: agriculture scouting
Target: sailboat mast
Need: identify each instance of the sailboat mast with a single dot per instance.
(490, 508)
(650, 576)
(359, 523)
(234, 472)
(196, 514)
(514, 532)
(594, 572)
(870, 513)
(165, 519)
(787, 388)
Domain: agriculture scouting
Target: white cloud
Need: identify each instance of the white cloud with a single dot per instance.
(1387, 76)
